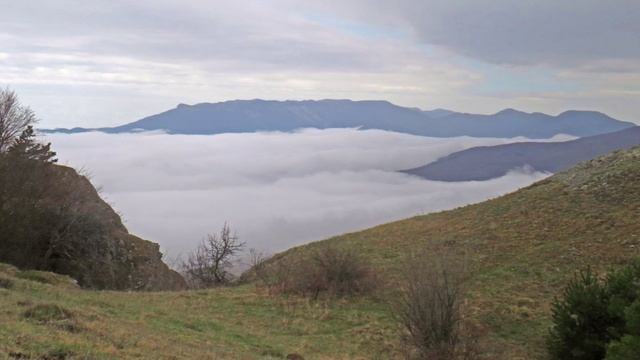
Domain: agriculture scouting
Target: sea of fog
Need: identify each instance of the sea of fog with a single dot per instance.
(276, 190)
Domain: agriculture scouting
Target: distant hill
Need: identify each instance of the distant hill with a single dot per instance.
(260, 115)
(522, 247)
(488, 162)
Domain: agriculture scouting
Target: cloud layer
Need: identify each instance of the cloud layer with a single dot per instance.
(277, 190)
(546, 32)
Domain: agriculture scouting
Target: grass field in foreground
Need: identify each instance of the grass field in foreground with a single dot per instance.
(226, 323)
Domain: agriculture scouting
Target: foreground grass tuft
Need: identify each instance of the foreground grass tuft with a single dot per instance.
(54, 315)
(5, 282)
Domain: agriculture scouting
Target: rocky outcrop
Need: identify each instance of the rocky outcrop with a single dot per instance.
(126, 262)
(72, 231)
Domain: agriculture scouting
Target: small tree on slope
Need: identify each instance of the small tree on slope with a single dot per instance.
(26, 147)
(209, 264)
(595, 319)
(14, 118)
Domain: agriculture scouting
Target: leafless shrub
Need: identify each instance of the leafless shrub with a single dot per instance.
(209, 264)
(14, 118)
(328, 270)
(340, 272)
(258, 265)
(429, 310)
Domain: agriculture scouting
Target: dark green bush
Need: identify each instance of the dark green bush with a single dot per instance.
(592, 316)
(628, 347)
(581, 320)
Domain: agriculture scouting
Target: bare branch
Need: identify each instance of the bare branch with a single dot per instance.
(209, 264)
(14, 118)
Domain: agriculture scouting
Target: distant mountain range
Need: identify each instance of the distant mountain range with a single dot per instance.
(487, 162)
(260, 115)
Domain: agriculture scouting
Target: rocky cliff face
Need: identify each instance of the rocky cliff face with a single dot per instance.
(125, 261)
(53, 219)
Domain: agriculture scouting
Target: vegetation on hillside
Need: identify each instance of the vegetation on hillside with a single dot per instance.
(209, 264)
(328, 271)
(521, 249)
(52, 219)
(46, 316)
(597, 318)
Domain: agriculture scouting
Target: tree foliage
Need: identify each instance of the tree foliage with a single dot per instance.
(595, 318)
(42, 225)
(628, 347)
(25, 146)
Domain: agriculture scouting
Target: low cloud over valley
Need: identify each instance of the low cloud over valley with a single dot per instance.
(276, 189)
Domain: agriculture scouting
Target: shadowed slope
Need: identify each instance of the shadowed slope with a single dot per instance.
(488, 162)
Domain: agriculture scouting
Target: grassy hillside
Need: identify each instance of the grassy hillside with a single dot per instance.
(522, 248)
(45, 316)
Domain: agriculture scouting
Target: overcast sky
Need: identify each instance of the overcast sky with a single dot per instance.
(94, 63)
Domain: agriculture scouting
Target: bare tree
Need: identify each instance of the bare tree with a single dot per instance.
(14, 118)
(209, 264)
(429, 309)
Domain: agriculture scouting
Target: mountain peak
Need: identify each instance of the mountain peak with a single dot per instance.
(510, 112)
(582, 113)
(246, 116)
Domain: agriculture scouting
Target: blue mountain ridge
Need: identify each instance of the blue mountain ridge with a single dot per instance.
(242, 116)
(488, 162)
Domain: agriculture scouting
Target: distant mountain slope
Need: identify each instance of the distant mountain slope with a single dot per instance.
(260, 115)
(522, 247)
(488, 162)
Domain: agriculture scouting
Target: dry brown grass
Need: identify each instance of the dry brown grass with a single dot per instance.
(521, 248)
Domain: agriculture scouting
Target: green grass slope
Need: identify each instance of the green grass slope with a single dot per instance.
(522, 248)
(46, 316)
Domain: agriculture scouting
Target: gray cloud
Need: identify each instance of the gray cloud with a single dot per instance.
(549, 32)
(220, 35)
(103, 63)
(281, 32)
(277, 190)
